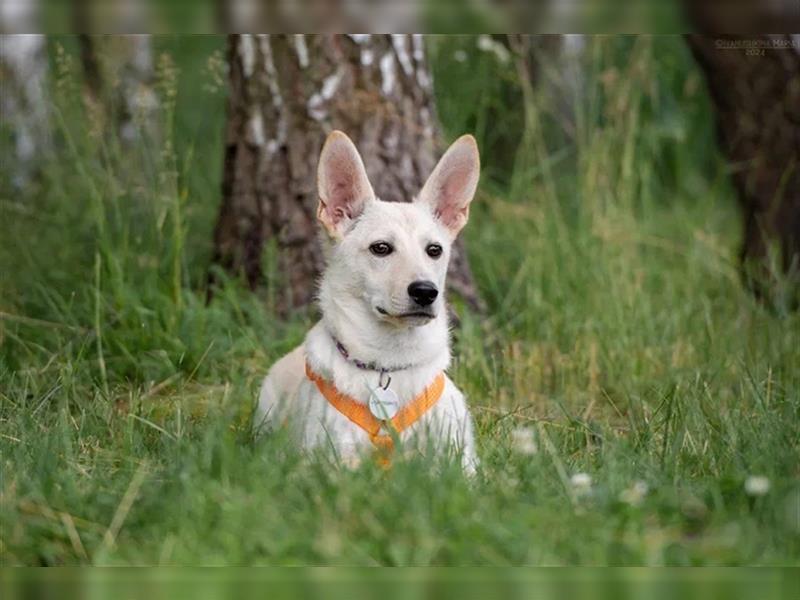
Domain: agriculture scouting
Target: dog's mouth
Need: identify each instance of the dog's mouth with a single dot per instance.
(407, 316)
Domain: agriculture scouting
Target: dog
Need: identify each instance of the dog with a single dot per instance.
(371, 372)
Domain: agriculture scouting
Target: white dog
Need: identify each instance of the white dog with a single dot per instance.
(371, 372)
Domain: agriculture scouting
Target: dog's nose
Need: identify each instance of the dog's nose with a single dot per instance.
(423, 292)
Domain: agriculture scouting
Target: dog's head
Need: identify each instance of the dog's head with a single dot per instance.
(393, 256)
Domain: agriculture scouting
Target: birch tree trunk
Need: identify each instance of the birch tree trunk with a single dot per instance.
(286, 93)
(23, 74)
(755, 88)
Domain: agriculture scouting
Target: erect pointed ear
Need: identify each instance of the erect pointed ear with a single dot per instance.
(342, 184)
(451, 186)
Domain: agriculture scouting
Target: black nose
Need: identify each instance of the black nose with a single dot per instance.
(423, 292)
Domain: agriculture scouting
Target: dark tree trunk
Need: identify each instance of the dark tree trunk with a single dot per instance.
(119, 84)
(287, 92)
(756, 95)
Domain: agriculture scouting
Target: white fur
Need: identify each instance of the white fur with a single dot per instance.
(365, 303)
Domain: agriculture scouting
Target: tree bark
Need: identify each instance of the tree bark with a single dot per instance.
(119, 79)
(287, 92)
(23, 74)
(756, 95)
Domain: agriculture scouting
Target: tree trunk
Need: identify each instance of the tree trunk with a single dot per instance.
(756, 94)
(286, 93)
(119, 84)
(23, 74)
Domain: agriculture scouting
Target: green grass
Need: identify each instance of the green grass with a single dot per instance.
(617, 331)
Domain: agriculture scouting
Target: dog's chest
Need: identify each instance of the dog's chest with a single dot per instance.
(323, 424)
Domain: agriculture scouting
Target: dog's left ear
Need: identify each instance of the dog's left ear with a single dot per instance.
(451, 186)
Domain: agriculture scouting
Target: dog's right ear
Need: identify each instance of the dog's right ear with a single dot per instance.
(342, 184)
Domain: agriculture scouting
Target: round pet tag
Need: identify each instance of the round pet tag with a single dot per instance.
(383, 403)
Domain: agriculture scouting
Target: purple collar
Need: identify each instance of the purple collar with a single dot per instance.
(367, 366)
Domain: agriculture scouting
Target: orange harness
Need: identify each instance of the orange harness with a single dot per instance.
(359, 413)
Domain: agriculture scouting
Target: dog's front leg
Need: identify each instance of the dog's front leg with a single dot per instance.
(469, 458)
(350, 456)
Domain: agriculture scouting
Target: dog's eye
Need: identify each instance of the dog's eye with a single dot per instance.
(434, 250)
(381, 249)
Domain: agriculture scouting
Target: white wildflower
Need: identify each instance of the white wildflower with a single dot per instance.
(635, 493)
(523, 441)
(460, 56)
(488, 44)
(756, 485)
(581, 483)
